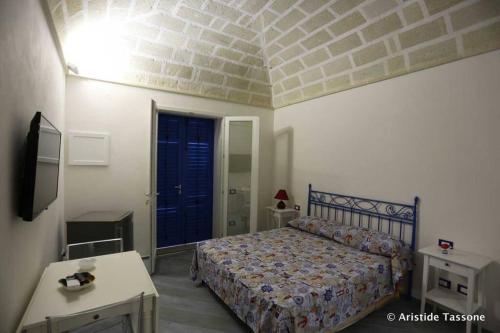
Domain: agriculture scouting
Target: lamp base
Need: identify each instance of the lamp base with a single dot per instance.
(281, 205)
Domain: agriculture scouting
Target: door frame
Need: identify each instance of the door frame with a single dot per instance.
(152, 194)
(217, 170)
(254, 175)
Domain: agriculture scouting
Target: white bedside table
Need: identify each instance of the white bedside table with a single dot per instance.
(277, 218)
(470, 265)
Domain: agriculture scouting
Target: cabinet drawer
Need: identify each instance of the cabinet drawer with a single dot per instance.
(449, 266)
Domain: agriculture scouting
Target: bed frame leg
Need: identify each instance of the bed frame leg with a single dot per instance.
(410, 284)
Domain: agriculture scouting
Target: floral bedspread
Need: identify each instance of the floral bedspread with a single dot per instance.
(288, 280)
(363, 239)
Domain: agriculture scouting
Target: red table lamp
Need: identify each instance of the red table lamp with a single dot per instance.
(281, 195)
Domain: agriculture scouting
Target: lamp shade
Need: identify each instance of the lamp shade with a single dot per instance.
(281, 195)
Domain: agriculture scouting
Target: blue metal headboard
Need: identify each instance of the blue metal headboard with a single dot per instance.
(396, 219)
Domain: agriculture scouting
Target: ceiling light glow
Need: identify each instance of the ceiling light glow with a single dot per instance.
(98, 50)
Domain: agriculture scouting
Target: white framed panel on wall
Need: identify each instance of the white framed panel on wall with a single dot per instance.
(88, 148)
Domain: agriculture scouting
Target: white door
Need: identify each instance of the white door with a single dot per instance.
(241, 174)
(152, 187)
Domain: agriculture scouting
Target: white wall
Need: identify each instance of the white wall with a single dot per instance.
(434, 133)
(31, 79)
(125, 113)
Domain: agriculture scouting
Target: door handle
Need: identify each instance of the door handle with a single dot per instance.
(178, 188)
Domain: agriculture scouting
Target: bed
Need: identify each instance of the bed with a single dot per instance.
(321, 273)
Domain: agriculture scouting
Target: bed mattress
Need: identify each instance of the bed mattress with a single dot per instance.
(288, 280)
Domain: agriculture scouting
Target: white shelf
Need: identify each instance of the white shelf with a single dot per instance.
(476, 261)
(278, 218)
(450, 299)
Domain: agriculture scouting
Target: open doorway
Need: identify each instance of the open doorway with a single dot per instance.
(186, 155)
(241, 172)
(205, 185)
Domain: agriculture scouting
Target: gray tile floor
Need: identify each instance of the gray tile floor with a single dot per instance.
(187, 308)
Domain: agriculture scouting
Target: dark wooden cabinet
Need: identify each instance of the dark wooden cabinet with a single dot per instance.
(100, 225)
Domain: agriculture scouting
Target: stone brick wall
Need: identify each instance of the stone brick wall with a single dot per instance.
(330, 46)
(276, 53)
(196, 47)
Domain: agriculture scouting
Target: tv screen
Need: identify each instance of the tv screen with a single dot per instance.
(41, 169)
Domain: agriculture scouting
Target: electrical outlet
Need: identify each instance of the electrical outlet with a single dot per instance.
(296, 207)
(462, 289)
(444, 283)
(444, 241)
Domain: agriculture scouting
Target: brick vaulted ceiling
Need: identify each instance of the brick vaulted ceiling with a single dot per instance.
(268, 53)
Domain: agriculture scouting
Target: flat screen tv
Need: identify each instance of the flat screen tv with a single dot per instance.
(41, 167)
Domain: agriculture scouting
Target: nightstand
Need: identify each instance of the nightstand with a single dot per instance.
(470, 265)
(278, 218)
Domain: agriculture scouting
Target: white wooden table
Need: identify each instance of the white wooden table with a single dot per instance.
(470, 265)
(118, 277)
(278, 218)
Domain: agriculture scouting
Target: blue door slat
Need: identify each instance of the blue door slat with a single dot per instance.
(169, 208)
(198, 178)
(185, 156)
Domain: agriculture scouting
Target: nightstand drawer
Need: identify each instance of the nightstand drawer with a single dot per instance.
(449, 266)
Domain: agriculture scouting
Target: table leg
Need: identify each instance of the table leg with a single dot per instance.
(471, 284)
(147, 322)
(480, 298)
(150, 316)
(436, 272)
(425, 277)
(157, 314)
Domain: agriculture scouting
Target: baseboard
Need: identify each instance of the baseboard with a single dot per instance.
(173, 249)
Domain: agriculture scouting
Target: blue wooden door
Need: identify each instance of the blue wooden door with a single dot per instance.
(184, 179)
